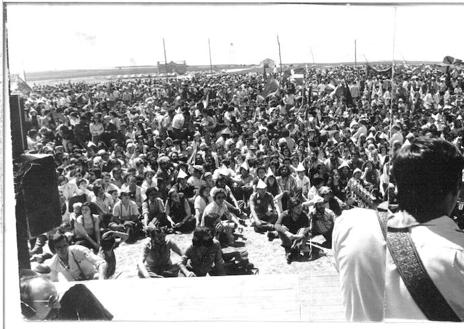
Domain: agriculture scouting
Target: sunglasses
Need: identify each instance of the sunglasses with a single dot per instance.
(220, 198)
(51, 301)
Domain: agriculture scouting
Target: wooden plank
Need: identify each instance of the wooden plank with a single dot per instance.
(234, 298)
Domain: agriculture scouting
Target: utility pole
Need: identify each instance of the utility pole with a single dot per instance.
(210, 61)
(280, 55)
(165, 58)
(355, 60)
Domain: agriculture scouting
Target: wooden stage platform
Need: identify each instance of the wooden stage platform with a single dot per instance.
(232, 298)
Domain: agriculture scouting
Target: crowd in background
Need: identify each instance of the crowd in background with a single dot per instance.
(210, 154)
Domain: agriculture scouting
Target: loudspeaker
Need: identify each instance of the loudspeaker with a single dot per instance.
(37, 194)
(17, 121)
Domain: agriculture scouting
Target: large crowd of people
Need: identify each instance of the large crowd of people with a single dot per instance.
(209, 154)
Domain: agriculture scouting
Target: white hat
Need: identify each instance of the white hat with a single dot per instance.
(181, 174)
(357, 170)
(317, 199)
(300, 167)
(245, 166)
(261, 184)
(344, 164)
(269, 172)
(197, 167)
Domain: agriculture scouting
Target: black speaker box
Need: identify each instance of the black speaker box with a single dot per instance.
(37, 193)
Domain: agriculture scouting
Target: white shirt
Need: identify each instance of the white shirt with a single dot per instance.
(81, 261)
(367, 272)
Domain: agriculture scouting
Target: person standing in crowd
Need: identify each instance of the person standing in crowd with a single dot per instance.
(428, 174)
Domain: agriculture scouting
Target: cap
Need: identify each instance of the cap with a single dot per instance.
(198, 167)
(300, 167)
(226, 131)
(343, 165)
(324, 190)
(181, 174)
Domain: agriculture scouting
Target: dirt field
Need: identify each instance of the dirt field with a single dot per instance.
(318, 292)
(268, 257)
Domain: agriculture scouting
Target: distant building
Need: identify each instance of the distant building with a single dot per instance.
(172, 67)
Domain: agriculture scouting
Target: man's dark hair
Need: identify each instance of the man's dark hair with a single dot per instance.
(425, 172)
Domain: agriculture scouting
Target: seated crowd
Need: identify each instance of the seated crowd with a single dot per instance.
(152, 158)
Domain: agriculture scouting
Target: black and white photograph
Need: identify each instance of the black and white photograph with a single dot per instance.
(238, 162)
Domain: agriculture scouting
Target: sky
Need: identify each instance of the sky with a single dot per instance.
(80, 36)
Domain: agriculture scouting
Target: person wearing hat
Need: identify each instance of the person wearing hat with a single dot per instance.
(396, 135)
(243, 183)
(195, 179)
(182, 186)
(286, 181)
(224, 135)
(302, 181)
(293, 230)
(409, 138)
(155, 261)
(322, 220)
(262, 209)
(331, 201)
(208, 179)
(69, 189)
(164, 176)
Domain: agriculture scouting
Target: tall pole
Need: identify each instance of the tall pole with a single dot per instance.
(210, 61)
(165, 58)
(355, 61)
(280, 55)
(392, 86)
(312, 54)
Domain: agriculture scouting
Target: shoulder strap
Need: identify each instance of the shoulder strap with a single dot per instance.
(411, 269)
(77, 263)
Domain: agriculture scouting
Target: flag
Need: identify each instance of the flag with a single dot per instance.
(449, 60)
(271, 87)
(448, 78)
(297, 79)
(20, 86)
(348, 97)
(387, 73)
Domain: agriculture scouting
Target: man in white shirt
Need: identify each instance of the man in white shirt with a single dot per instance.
(428, 173)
